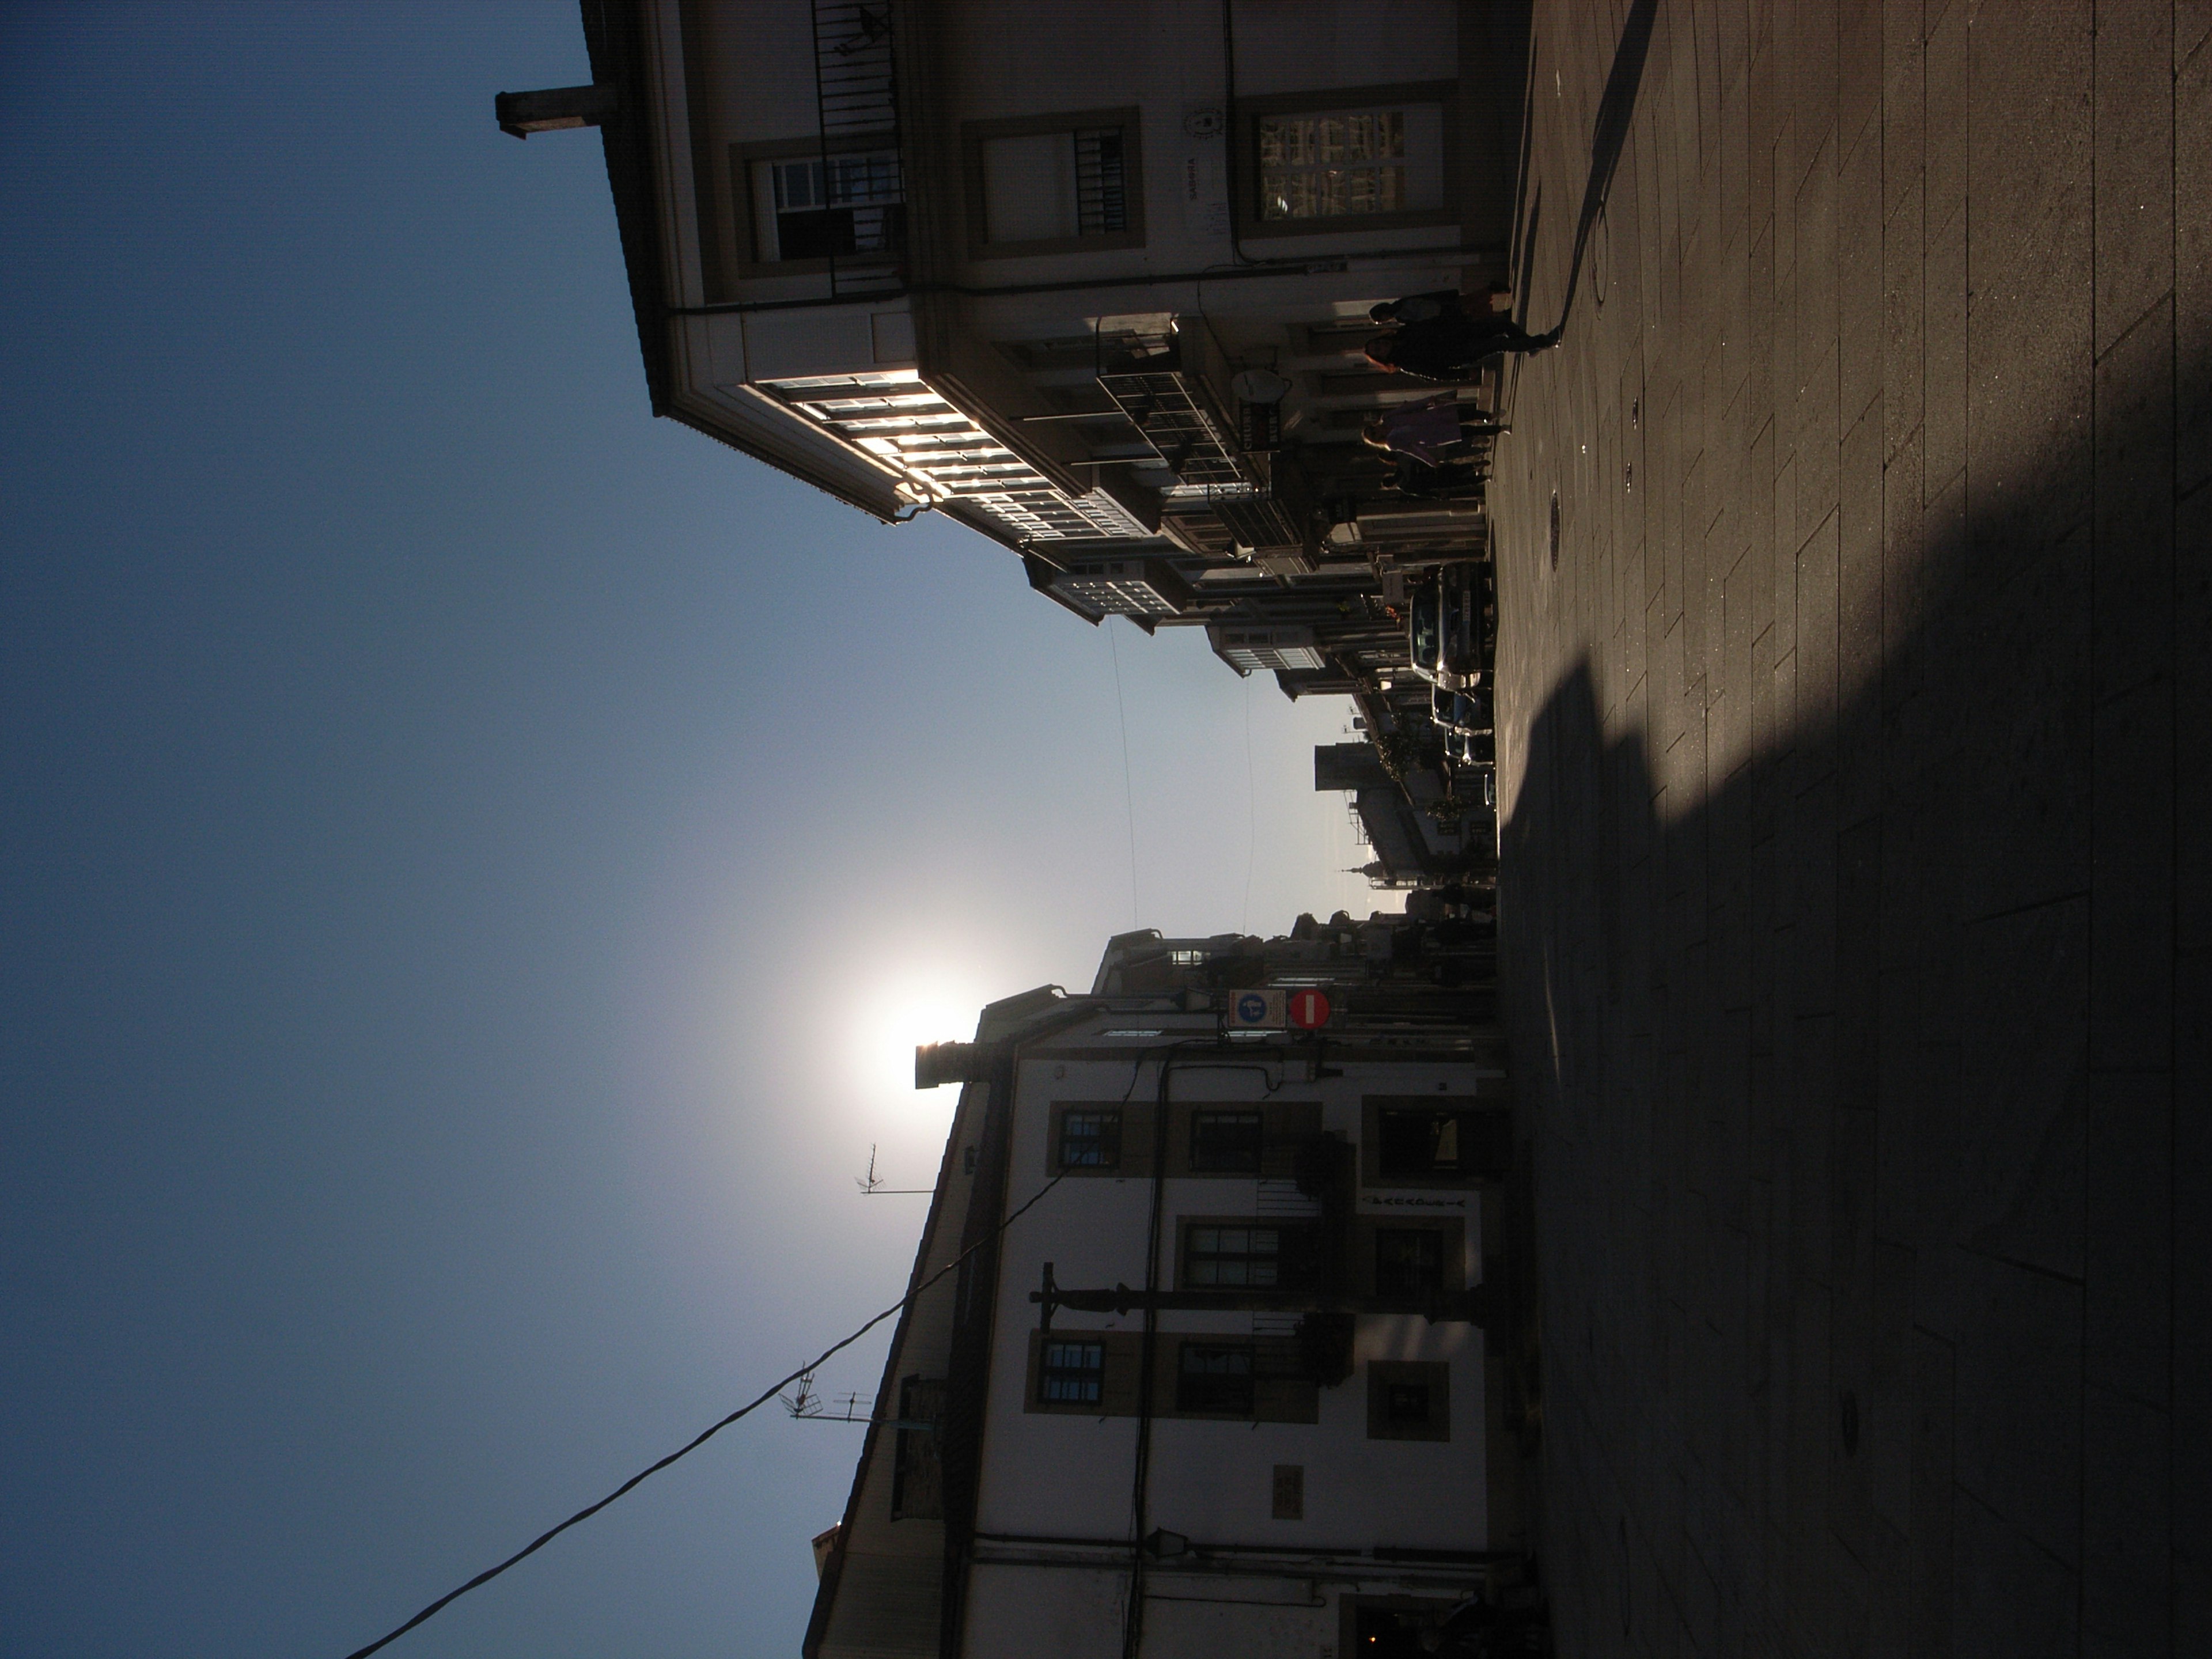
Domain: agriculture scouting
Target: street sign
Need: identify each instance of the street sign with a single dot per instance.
(1256, 1011)
(1308, 1010)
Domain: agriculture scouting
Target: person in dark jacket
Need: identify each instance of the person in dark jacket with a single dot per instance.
(1437, 302)
(1447, 348)
(1419, 307)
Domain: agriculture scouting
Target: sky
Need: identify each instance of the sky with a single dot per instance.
(474, 862)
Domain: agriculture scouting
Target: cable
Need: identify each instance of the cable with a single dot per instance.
(1128, 792)
(1251, 813)
(685, 1450)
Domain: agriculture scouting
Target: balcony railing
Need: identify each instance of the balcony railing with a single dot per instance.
(856, 107)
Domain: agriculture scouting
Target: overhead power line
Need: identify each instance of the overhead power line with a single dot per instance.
(698, 1440)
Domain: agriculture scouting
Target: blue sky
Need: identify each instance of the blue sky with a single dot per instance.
(474, 860)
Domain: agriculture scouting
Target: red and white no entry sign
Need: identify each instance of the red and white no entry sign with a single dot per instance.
(1308, 1010)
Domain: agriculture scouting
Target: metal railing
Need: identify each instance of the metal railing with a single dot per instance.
(863, 168)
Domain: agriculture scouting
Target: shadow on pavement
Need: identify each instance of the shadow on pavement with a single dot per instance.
(1616, 111)
(1863, 1203)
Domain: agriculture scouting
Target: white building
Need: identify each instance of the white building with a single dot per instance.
(1303, 1440)
(1092, 278)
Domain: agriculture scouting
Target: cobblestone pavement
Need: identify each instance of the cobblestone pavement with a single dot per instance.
(1854, 736)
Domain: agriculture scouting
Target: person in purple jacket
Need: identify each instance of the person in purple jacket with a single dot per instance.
(1433, 431)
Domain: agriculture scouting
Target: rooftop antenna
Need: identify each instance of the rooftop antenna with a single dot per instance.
(804, 1402)
(871, 1184)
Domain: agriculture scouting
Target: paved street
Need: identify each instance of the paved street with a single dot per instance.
(1854, 881)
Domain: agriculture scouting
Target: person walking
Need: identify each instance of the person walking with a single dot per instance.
(1437, 302)
(1427, 429)
(1448, 347)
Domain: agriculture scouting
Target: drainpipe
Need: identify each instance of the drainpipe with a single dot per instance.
(1132, 1616)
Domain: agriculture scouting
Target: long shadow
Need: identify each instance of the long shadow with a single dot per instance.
(1616, 113)
(1866, 1092)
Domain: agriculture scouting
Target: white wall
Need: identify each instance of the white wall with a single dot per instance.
(1064, 1476)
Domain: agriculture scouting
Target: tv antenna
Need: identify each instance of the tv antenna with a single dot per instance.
(871, 1184)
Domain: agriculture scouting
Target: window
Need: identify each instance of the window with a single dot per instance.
(1406, 1404)
(1414, 1142)
(1214, 1378)
(1289, 1493)
(1233, 1256)
(1054, 183)
(1427, 625)
(1408, 1400)
(1225, 1143)
(1072, 1373)
(1091, 1140)
(1345, 163)
(917, 1475)
(807, 207)
(1047, 186)
(1409, 1261)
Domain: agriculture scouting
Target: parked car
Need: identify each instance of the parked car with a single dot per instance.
(1460, 713)
(1451, 626)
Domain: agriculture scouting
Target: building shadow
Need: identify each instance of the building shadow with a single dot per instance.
(1866, 1094)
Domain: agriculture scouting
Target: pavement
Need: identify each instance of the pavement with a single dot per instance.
(1853, 708)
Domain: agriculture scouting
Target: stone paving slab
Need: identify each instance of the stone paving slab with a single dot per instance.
(1853, 890)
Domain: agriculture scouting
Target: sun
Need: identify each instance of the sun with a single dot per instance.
(936, 1007)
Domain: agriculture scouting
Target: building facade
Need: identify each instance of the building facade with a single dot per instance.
(1203, 1370)
(1093, 279)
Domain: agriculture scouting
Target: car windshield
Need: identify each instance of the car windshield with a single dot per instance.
(1427, 627)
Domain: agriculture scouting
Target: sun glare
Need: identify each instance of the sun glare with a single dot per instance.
(940, 1008)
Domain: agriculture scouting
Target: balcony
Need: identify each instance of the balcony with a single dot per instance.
(1157, 380)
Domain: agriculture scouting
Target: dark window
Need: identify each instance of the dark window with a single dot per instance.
(1214, 1378)
(1423, 1141)
(1427, 627)
(1408, 1261)
(1102, 200)
(1225, 1143)
(1231, 1256)
(1405, 1405)
(849, 205)
(1290, 1492)
(917, 1479)
(1072, 1373)
(1091, 1140)
(1408, 1400)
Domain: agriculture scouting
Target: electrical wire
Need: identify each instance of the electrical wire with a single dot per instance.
(699, 1440)
(1251, 813)
(1128, 792)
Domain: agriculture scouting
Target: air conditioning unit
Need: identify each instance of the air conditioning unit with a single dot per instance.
(1248, 650)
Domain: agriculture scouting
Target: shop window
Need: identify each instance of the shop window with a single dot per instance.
(1350, 163)
(1421, 1142)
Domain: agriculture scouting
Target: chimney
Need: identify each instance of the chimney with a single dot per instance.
(557, 107)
